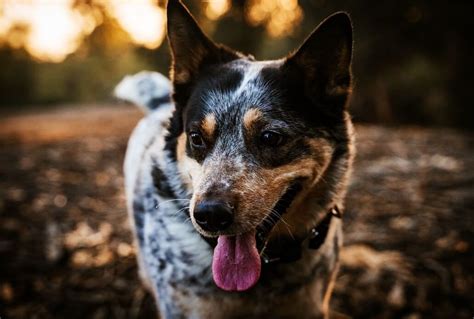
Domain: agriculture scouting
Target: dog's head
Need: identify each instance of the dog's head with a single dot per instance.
(253, 140)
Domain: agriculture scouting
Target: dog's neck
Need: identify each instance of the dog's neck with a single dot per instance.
(290, 248)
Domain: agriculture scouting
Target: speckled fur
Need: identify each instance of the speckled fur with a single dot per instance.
(163, 177)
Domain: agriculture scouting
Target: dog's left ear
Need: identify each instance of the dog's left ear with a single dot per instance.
(324, 61)
(191, 49)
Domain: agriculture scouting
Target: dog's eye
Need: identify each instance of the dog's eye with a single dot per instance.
(196, 140)
(272, 139)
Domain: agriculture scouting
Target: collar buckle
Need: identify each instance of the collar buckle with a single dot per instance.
(319, 233)
(335, 212)
(267, 260)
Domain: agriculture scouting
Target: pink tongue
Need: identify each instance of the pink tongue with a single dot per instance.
(236, 262)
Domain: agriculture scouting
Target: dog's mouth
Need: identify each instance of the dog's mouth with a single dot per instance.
(236, 263)
(276, 214)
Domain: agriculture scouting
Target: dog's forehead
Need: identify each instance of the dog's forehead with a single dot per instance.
(237, 87)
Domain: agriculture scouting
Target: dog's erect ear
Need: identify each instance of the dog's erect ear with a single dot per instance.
(190, 47)
(324, 60)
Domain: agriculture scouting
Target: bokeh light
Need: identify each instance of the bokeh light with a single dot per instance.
(217, 8)
(280, 17)
(55, 29)
(142, 19)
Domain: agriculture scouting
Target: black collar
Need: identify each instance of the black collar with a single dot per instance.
(289, 249)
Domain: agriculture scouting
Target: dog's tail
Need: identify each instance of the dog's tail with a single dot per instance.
(147, 90)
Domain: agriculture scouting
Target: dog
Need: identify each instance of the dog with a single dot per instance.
(235, 179)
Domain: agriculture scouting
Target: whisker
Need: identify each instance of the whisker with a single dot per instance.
(274, 214)
(175, 213)
(171, 200)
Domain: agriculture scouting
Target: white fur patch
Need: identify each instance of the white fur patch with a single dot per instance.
(147, 129)
(251, 89)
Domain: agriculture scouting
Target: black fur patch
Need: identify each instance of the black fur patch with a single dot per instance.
(160, 181)
(158, 101)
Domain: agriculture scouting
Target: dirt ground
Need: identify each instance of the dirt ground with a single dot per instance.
(65, 244)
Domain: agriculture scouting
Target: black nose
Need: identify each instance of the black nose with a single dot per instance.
(213, 215)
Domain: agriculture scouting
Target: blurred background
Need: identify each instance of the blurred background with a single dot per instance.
(65, 244)
(412, 58)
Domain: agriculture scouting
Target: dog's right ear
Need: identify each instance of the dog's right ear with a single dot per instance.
(191, 49)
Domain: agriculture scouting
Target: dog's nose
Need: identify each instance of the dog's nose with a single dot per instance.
(213, 215)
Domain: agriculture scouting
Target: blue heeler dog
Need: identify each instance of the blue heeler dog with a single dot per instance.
(236, 177)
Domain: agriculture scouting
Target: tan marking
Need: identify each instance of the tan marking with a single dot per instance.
(191, 171)
(181, 147)
(301, 213)
(261, 189)
(251, 116)
(272, 183)
(208, 124)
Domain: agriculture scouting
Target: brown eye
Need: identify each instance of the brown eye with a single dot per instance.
(271, 139)
(196, 140)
